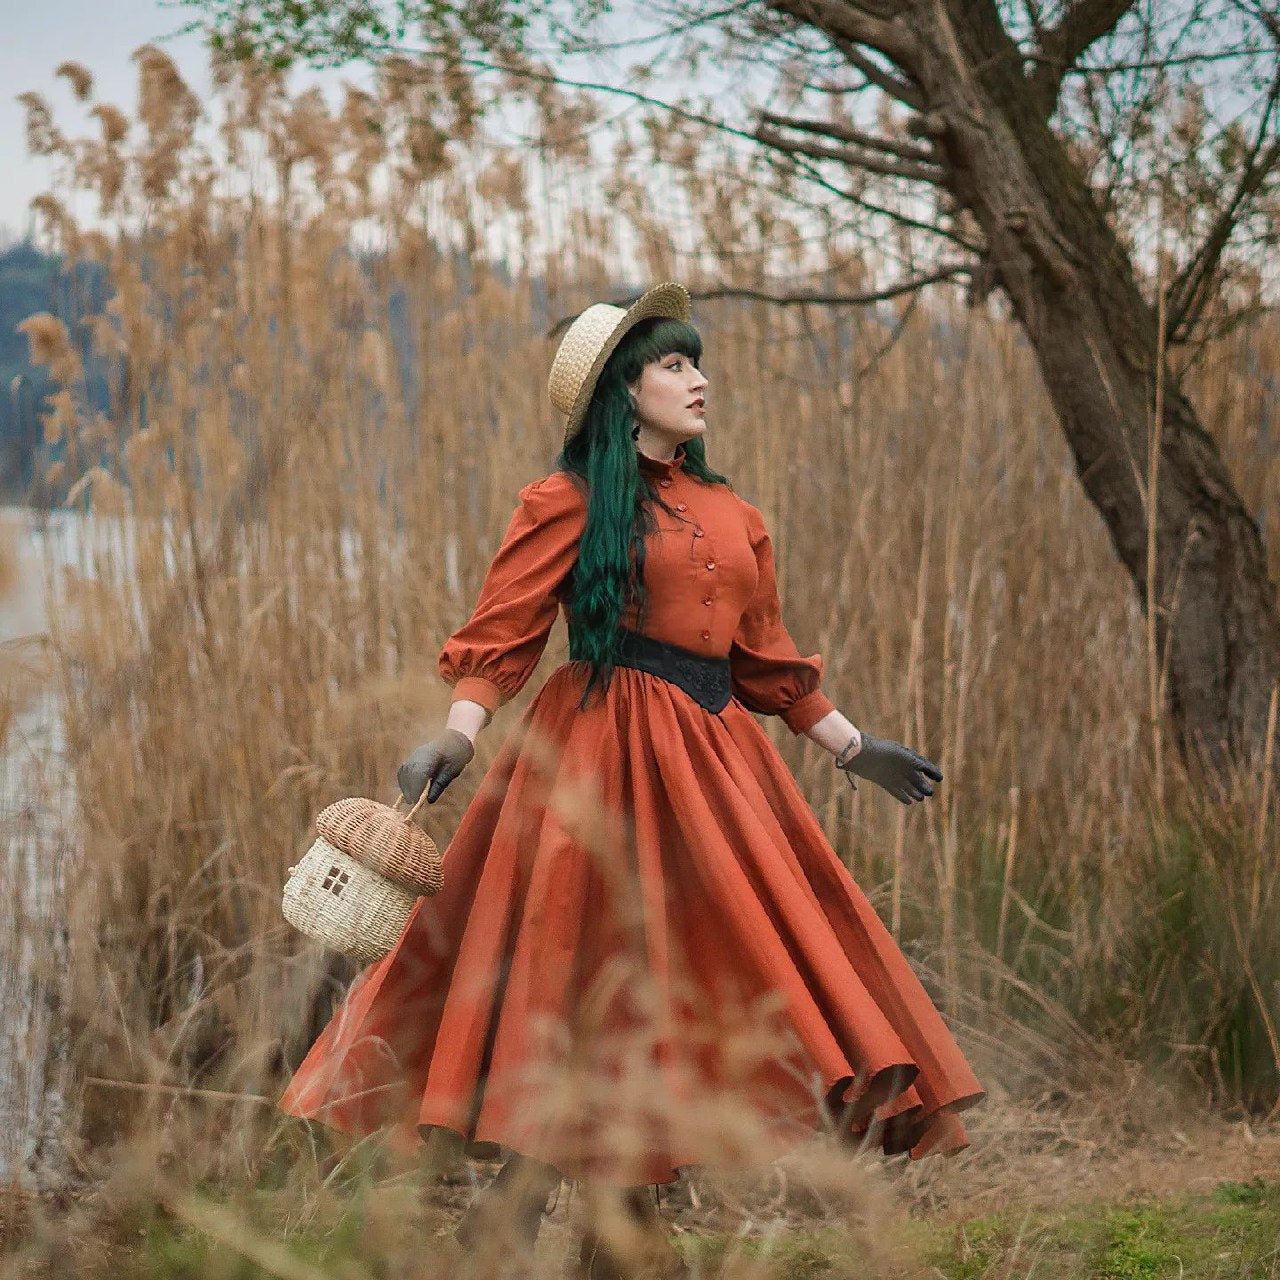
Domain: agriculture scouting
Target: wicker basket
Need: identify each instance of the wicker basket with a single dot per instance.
(355, 888)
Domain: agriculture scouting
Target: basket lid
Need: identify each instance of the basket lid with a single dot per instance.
(384, 840)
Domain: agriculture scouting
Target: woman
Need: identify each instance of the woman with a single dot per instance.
(638, 891)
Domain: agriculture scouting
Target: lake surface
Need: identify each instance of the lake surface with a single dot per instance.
(36, 812)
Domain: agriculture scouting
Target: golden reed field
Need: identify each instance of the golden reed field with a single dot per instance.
(327, 342)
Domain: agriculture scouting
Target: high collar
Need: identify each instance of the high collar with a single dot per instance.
(658, 469)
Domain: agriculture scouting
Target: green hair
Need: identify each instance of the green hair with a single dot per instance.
(609, 574)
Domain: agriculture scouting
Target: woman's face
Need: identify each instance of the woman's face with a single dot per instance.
(670, 401)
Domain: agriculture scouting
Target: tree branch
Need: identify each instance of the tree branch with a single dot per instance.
(895, 335)
(852, 156)
(811, 173)
(895, 86)
(1036, 17)
(855, 23)
(525, 72)
(948, 271)
(1189, 294)
(584, 44)
(1202, 58)
(1083, 22)
(901, 148)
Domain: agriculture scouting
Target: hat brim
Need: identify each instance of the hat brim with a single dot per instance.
(669, 300)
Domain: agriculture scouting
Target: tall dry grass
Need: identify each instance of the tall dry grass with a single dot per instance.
(326, 391)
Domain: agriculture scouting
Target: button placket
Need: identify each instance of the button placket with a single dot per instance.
(706, 545)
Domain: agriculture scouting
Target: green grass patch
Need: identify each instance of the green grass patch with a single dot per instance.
(174, 1250)
(786, 1255)
(1232, 1233)
(1229, 1233)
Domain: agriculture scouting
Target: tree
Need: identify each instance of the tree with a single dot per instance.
(1108, 166)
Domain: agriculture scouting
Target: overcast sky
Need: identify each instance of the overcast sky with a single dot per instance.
(101, 35)
(40, 34)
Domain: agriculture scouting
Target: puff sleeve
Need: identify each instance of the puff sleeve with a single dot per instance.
(489, 658)
(769, 675)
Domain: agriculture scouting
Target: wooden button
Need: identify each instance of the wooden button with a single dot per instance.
(711, 564)
(706, 599)
(706, 635)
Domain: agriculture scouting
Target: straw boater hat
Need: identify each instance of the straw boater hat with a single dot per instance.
(591, 340)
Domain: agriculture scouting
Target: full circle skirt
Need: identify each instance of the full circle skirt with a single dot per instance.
(645, 955)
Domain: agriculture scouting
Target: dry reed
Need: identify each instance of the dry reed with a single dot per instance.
(326, 352)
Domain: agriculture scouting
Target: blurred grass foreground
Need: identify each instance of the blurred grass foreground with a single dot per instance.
(326, 344)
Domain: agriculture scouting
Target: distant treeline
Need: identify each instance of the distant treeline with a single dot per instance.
(31, 282)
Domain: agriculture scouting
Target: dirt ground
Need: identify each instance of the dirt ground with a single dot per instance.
(1041, 1157)
(1049, 1156)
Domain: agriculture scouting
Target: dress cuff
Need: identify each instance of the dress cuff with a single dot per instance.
(478, 689)
(803, 715)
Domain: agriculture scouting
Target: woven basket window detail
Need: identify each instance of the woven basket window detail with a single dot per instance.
(335, 881)
(338, 901)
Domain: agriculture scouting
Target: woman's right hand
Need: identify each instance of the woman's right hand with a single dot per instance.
(435, 764)
(903, 773)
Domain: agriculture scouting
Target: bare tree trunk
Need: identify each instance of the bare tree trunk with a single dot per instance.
(1074, 290)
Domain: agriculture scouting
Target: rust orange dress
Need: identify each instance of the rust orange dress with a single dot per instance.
(645, 954)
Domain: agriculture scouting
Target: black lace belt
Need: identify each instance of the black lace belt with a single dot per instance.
(705, 680)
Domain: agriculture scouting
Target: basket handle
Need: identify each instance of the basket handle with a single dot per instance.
(408, 817)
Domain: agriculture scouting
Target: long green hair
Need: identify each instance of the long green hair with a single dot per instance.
(609, 575)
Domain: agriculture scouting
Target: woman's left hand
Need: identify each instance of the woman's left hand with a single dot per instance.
(899, 770)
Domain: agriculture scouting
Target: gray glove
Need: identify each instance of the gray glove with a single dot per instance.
(436, 762)
(899, 770)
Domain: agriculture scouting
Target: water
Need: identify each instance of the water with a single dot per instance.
(36, 808)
